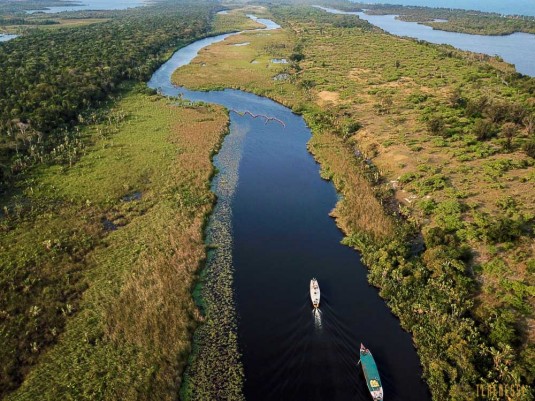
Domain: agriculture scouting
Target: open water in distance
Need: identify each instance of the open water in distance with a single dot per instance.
(282, 237)
(516, 7)
(6, 37)
(84, 5)
(517, 49)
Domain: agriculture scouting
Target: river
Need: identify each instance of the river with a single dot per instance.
(517, 49)
(271, 224)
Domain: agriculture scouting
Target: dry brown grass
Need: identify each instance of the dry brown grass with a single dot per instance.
(359, 210)
(236, 20)
(224, 65)
(328, 97)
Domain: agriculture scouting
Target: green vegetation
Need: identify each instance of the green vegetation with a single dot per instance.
(26, 21)
(50, 80)
(235, 20)
(430, 148)
(101, 224)
(464, 21)
(99, 261)
(26, 26)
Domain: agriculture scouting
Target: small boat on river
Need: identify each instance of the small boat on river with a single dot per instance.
(315, 293)
(371, 374)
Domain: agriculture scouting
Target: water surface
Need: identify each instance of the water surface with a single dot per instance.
(282, 236)
(5, 37)
(516, 7)
(517, 49)
(85, 5)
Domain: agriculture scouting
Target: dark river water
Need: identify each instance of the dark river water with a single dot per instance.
(517, 49)
(282, 236)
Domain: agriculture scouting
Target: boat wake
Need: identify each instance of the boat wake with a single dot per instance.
(316, 313)
(319, 359)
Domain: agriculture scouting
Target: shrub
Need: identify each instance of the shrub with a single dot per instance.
(500, 229)
(456, 99)
(436, 126)
(449, 215)
(496, 111)
(408, 177)
(431, 184)
(297, 57)
(484, 129)
(417, 98)
(529, 147)
(502, 328)
(475, 107)
(428, 206)
(350, 127)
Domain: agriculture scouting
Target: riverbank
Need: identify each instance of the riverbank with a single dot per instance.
(455, 20)
(517, 48)
(118, 238)
(520, 7)
(242, 278)
(369, 111)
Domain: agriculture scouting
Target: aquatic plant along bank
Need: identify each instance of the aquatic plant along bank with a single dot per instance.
(367, 134)
(271, 233)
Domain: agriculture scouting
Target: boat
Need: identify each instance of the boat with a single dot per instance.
(373, 381)
(315, 293)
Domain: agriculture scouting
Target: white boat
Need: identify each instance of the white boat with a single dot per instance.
(315, 293)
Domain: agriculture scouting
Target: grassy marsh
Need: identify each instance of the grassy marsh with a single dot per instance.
(120, 313)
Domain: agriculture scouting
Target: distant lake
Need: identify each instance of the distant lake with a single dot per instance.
(517, 49)
(521, 7)
(5, 38)
(95, 5)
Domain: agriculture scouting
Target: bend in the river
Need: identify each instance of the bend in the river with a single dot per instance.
(273, 233)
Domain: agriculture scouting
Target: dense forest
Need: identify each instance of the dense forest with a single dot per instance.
(52, 85)
(23, 21)
(50, 79)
